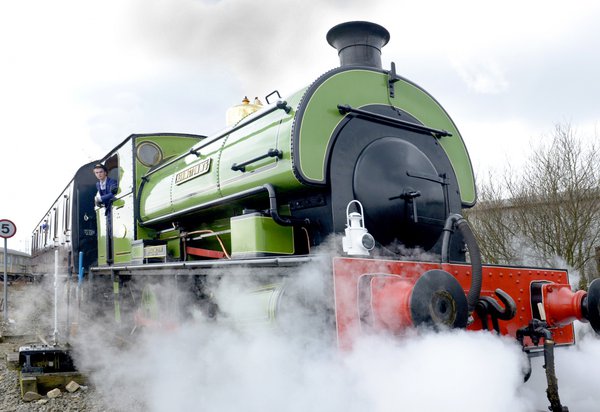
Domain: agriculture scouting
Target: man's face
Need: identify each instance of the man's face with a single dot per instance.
(100, 174)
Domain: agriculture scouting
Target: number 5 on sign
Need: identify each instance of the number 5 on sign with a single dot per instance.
(7, 228)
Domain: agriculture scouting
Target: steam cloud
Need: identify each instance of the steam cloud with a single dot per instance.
(224, 34)
(257, 366)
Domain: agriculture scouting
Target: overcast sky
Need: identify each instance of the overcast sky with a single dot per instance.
(78, 77)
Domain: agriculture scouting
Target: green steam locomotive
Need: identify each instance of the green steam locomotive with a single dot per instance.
(278, 182)
(362, 161)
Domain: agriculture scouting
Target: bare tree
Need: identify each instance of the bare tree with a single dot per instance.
(493, 225)
(549, 210)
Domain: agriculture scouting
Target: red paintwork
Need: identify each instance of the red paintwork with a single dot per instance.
(390, 297)
(562, 305)
(512, 280)
(140, 319)
(208, 253)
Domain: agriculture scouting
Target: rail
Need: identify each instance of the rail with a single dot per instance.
(346, 109)
(282, 220)
(280, 105)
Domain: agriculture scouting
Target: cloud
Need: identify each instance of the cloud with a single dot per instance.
(487, 78)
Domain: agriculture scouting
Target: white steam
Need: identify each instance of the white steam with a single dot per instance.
(215, 368)
(31, 306)
(260, 366)
(227, 366)
(576, 370)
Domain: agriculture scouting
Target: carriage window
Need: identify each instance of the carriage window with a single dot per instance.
(55, 225)
(46, 229)
(149, 154)
(67, 207)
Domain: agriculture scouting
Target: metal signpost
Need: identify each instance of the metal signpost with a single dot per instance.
(7, 229)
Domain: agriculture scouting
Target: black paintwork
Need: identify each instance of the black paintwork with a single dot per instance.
(83, 222)
(358, 42)
(394, 173)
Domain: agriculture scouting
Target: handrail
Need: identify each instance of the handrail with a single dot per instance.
(281, 104)
(281, 220)
(345, 109)
(270, 153)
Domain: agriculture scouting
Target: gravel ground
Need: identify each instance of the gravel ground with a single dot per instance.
(29, 317)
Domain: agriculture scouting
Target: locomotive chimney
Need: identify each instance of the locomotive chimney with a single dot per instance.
(359, 43)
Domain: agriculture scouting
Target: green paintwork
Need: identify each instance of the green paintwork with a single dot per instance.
(166, 192)
(360, 88)
(124, 224)
(122, 207)
(162, 195)
(137, 252)
(254, 306)
(101, 236)
(170, 145)
(149, 303)
(253, 235)
(172, 239)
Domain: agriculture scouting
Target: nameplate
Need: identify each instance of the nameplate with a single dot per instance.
(155, 251)
(198, 169)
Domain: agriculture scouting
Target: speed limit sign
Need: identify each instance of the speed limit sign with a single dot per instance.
(7, 228)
